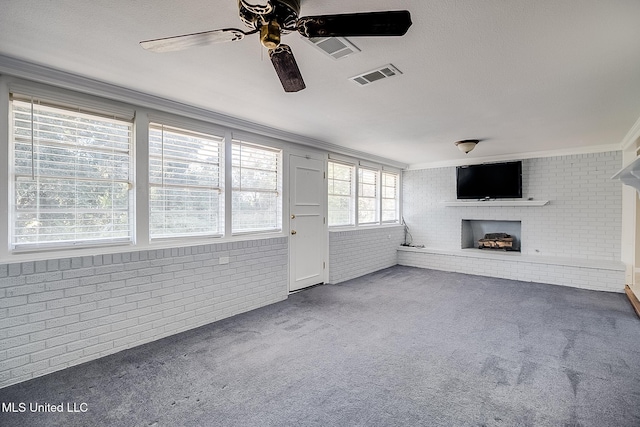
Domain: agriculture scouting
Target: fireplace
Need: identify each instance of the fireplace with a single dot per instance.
(491, 234)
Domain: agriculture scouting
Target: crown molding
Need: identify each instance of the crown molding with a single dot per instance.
(518, 156)
(632, 136)
(42, 74)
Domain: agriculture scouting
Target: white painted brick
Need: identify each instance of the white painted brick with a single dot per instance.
(61, 284)
(97, 349)
(28, 328)
(94, 314)
(62, 321)
(48, 353)
(66, 359)
(64, 302)
(9, 364)
(73, 274)
(13, 301)
(80, 290)
(22, 350)
(72, 302)
(83, 343)
(96, 296)
(123, 308)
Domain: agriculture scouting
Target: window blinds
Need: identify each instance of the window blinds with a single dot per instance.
(256, 182)
(341, 194)
(367, 196)
(390, 199)
(185, 170)
(71, 176)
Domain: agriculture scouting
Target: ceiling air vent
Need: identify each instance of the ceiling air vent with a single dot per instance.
(380, 73)
(336, 47)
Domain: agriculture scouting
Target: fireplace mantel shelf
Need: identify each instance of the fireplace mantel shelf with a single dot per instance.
(508, 203)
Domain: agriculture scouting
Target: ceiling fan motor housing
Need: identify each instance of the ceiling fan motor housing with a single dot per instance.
(284, 12)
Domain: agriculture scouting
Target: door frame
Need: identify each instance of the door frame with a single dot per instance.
(323, 157)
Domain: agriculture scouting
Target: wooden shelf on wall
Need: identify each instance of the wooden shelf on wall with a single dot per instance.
(489, 203)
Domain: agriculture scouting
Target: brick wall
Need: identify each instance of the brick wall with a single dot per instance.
(63, 312)
(581, 224)
(355, 253)
(582, 220)
(589, 274)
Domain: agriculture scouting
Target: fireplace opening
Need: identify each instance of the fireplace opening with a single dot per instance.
(496, 235)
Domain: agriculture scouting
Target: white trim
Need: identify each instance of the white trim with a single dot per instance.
(600, 264)
(632, 136)
(64, 98)
(369, 165)
(43, 74)
(183, 122)
(483, 203)
(228, 177)
(339, 229)
(5, 174)
(342, 159)
(517, 156)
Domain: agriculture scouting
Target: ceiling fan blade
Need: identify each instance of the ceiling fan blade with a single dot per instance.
(186, 41)
(391, 23)
(286, 68)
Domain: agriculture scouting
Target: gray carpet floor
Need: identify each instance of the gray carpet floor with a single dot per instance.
(400, 347)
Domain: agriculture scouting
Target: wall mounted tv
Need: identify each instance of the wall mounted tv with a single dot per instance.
(490, 181)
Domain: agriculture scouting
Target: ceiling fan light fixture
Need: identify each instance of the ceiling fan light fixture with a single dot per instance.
(467, 145)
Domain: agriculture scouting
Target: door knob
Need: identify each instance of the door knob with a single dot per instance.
(294, 232)
(293, 216)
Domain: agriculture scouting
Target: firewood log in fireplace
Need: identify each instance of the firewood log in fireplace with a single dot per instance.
(496, 241)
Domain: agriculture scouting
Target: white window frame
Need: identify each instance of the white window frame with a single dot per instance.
(396, 199)
(352, 196)
(275, 190)
(380, 169)
(80, 107)
(141, 111)
(216, 140)
(376, 198)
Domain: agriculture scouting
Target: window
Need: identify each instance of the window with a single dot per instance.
(71, 176)
(390, 199)
(256, 188)
(185, 190)
(341, 194)
(367, 196)
(377, 195)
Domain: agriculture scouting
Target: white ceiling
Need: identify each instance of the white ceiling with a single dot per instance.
(525, 76)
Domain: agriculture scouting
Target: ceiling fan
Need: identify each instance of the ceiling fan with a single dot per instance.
(277, 17)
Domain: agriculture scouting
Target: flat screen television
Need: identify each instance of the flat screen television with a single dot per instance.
(489, 181)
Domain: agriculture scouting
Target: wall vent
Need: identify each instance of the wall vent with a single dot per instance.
(335, 47)
(380, 73)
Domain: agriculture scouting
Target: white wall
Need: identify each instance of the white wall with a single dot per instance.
(63, 312)
(575, 240)
(354, 253)
(582, 220)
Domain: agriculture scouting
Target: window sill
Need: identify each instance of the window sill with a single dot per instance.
(156, 244)
(363, 227)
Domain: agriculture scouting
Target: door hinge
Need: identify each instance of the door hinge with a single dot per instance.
(324, 265)
(324, 220)
(324, 174)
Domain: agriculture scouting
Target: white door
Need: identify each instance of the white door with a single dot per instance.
(307, 235)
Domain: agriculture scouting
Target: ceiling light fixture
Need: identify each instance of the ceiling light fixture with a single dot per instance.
(467, 145)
